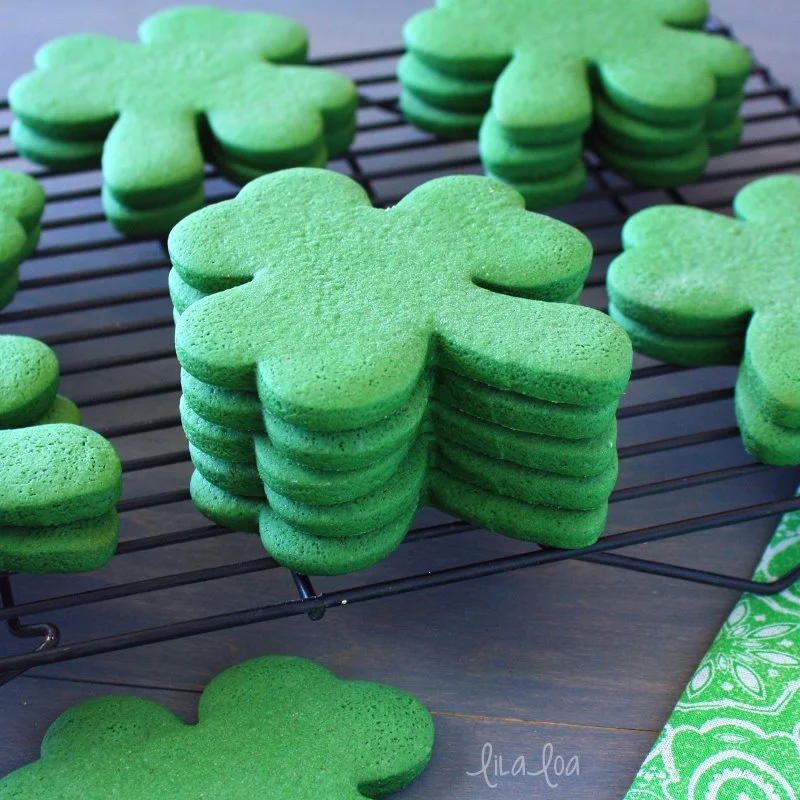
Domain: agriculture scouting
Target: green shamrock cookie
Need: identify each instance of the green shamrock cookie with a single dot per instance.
(338, 321)
(272, 727)
(201, 81)
(545, 53)
(699, 287)
(21, 206)
(365, 299)
(59, 482)
(29, 378)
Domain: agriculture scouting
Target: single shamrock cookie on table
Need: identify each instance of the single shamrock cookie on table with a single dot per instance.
(344, 365)
(535, 80)
(695, 287)
(59, 482)
(272, 727)
(21, 206)
(202, 84)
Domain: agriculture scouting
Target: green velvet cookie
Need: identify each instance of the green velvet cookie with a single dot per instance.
(235, 477)
(225, 407)
(229, 444)
(55, 475)
(322, 487)
(235, 73)
(402, 490)
(29, 378)
(719, 277)
(316, 555)
(445, 122)
(145, 222)
(351, 449)
(516, 411)
(579, 458)
(242, 172)
(637, 136)
(545, 525)
(542, 54)
(270, 727)
(552, 192)
(441, 90)
(764, 439)
(655, 171)
(56, 153)
(424, 299)
(724, 111)
(513, 162)
(63, 410)
(340, 450)
(724, 139)
(74, 547)
(8, 288)
(360, 321)
(686, 350)
(181, 294)
(21, 205)
(22, 198)
(227, 509)
(522, 483)
(775, 406)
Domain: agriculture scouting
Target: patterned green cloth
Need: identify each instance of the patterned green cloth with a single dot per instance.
(735, 733)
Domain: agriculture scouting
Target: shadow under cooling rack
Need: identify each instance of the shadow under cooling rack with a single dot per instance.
(101, 300)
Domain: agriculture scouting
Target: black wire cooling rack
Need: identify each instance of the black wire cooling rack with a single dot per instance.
(102, 302)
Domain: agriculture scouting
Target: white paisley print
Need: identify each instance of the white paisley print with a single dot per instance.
(735, 733)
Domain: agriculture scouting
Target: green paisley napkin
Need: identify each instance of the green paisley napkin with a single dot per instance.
(735, 733)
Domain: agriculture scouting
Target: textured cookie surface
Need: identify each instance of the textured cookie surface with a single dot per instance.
(21, 206)
(241, 73)
(74, 547)
(21, 197)
(271, 727)
(542, 52)
(29, 378)
(56, 474)
(692, 273)
(364, 299)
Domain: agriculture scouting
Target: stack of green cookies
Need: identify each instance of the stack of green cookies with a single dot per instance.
(360, 369)
(202, 85)
(696, 287)
(21, 205)
(535, 80)
(59, 482)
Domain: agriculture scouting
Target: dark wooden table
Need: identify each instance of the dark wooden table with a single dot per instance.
(574, 660)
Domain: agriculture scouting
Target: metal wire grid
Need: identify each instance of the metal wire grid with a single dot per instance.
(60, 297)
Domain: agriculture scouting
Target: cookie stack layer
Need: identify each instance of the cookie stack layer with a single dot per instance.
(59, 482)
(341, 500)
(535, 81)
(203, 85)
(21, 205)
(695, 287)
(330, 445)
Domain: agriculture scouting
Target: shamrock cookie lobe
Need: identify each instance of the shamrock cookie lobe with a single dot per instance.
(657, 95)
(236, 79)
(345, 365)
(29, 378)
(387, 308)
(59, 482)
(21, 206)
(325, 737)
(699, 287)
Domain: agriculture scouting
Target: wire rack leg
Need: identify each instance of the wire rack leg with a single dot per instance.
(307, 591)
(46, 631)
